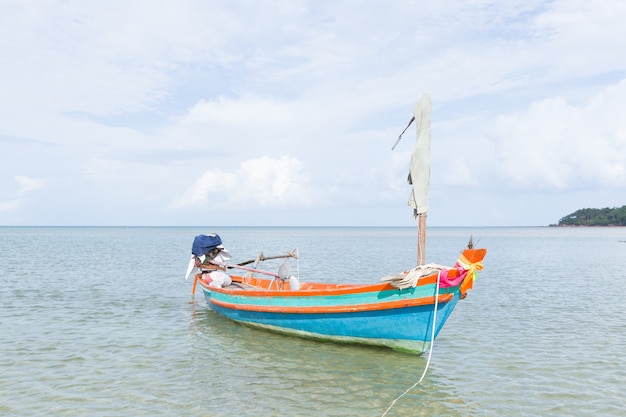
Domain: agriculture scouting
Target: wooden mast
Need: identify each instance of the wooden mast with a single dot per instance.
(421, 239)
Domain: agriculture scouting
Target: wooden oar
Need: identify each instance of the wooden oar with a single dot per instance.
(272, 274)
(262, 257)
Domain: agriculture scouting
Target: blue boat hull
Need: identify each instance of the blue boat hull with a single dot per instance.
(405, 315)
(403, 329)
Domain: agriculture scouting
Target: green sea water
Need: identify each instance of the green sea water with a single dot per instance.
(101, 322)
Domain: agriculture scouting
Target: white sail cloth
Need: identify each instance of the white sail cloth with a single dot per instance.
(419, 169)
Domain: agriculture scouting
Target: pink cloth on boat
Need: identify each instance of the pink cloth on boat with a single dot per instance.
(452, 281)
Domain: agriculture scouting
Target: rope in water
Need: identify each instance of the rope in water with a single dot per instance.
(430, 351)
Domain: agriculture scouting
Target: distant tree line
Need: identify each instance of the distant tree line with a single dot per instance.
(596, 217)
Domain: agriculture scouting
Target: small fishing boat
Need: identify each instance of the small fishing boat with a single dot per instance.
(404, 311)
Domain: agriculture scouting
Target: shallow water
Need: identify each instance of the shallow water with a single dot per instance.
(100, 322)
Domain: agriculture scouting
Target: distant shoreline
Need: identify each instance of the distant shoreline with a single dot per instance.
(592, 217)
(585, 225)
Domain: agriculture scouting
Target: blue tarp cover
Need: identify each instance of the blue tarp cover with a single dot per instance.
(204, 243)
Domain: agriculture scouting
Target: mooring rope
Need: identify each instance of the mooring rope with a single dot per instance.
(430, 351)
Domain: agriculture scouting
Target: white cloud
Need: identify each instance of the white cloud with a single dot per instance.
(26, 185)
(557, 145)
(9, 206)
(258, 183)
(578, 37)
(251, 110)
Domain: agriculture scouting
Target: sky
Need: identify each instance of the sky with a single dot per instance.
(284, 113)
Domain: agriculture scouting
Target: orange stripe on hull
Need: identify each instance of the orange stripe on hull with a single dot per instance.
(444, 298)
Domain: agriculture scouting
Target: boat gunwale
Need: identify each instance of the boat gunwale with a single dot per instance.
(317, 289)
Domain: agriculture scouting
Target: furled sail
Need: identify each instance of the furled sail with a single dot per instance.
(419, 169)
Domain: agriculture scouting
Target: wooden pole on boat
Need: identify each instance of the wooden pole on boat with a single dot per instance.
(272, 274)
(421, 239)
(261, 257)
